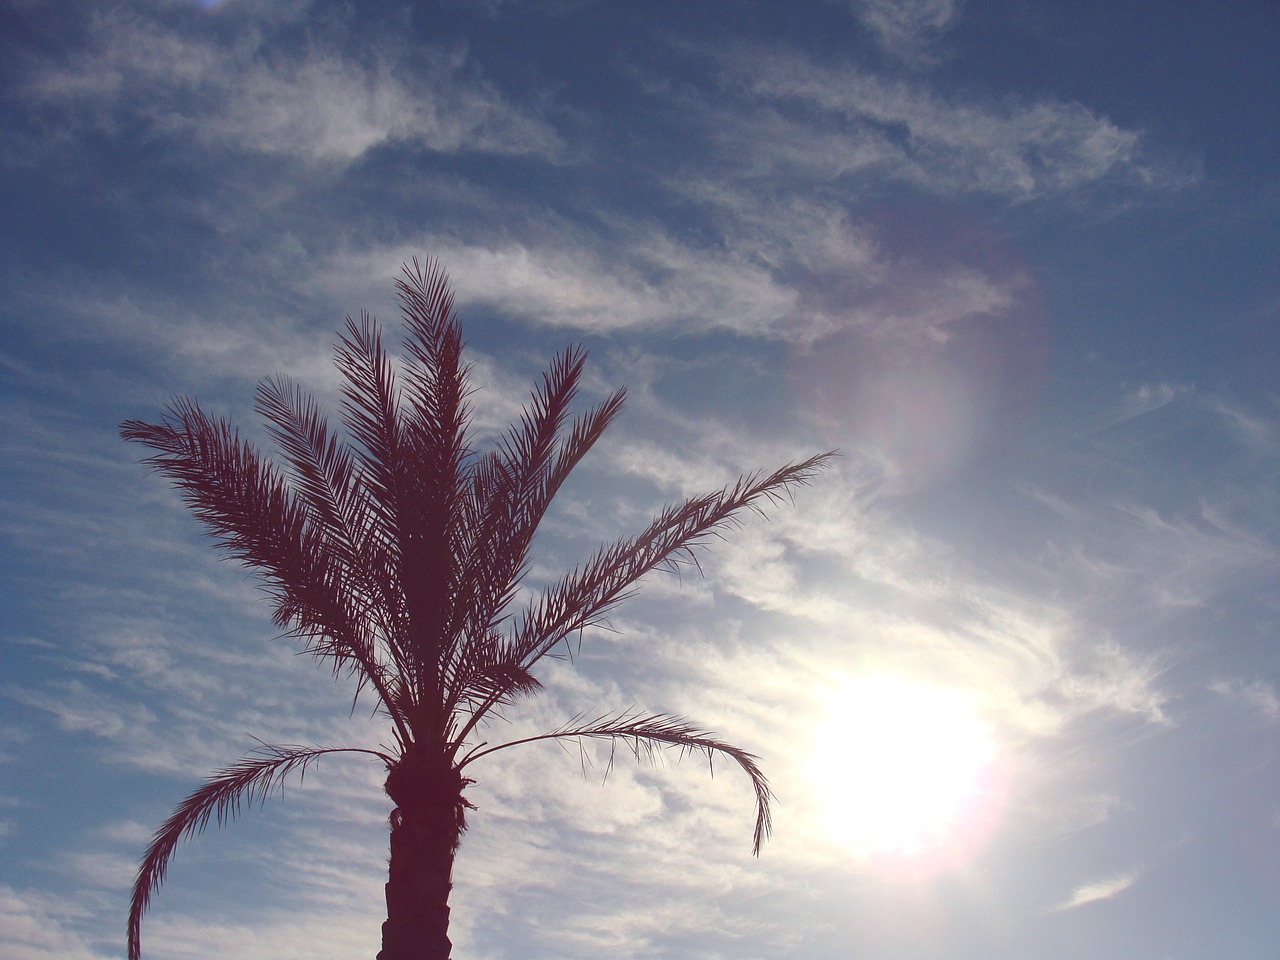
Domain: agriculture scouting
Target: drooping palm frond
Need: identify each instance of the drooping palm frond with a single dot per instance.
(246, 782)
(647, 734)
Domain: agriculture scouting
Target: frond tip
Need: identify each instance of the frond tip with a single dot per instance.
(249, 780)
(584, 597)
(646, 735)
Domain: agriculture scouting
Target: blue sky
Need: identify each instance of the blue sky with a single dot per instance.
(1018, 261)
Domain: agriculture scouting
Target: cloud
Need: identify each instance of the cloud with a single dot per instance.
(1067, 815)
(857, 591)
(907, 29)
(1256, 433)
(81, 709)
(39, 927)
(1139, 401)
(561, 278)
(1188, 559)
(328, 934)
(826, 125)
(1131, 556)
(793, 272)
(1174, 541)
(1257, 696)
(248, 94)
(1099, 890)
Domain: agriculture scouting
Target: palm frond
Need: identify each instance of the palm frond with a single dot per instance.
(431, 513)
(512, 492)
(646, 735)
(582, 598)
(370, 393)
(480, 675)
(539, 488)
(248, 781)
(500, 490)
(339, 502)
(371, 412)
(323, 472)
(248, 507)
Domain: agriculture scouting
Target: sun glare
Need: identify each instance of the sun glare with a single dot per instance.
(902, 771)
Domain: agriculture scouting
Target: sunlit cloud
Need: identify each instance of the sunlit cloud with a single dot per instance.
(901, 597)
(1100, 890)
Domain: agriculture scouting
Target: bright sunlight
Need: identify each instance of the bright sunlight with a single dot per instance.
(902, 770)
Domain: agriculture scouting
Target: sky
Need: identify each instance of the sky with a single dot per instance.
(1011, 664)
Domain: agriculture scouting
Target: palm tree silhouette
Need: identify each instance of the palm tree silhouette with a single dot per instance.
(398, 560)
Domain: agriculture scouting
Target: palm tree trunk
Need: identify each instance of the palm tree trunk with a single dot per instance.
(426, 827)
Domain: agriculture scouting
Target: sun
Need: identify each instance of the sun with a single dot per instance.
(902, 770)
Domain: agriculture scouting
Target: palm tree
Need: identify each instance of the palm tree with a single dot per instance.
(398, 560)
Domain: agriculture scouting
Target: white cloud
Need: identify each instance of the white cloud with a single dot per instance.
(320, 105)
(1256, 695)
(563, 279)
(81, 709)
(1067, 815)
(329, 934)
(1256, 433)
(909, 605)
(1183, 561)
(1141, 400)
(40, 927)
(1119, 552)
(789, 271)
(1099, 890)
(824, 124)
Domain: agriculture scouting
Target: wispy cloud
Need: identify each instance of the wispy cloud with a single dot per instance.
(41, 927)
(322, 104)
(565, 279)
(908, 29)
(1139, 401)
(1256, 432)
(842, 567)
(1099, 890)
(1256, 695)
(826, 124)
(792, 272)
